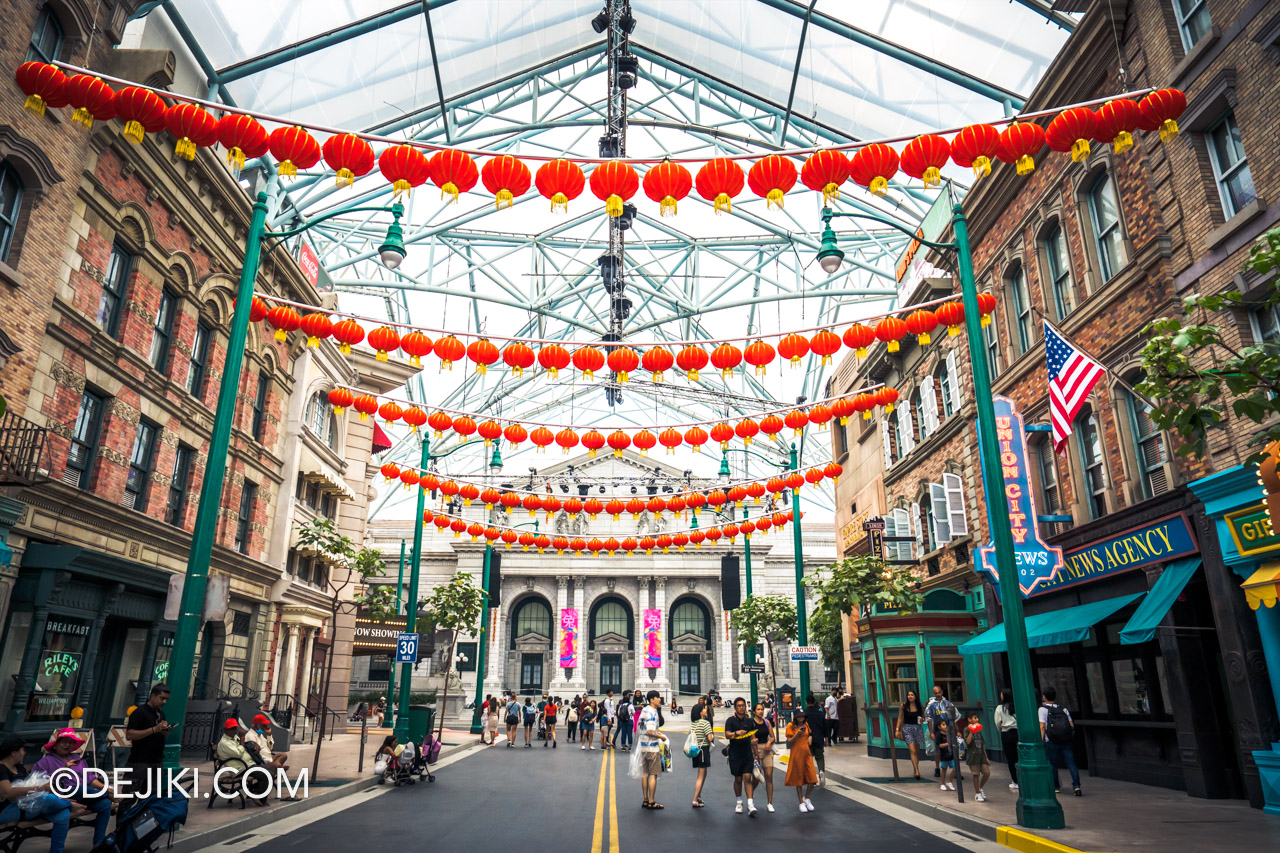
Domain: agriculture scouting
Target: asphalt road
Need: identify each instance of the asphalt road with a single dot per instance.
(568, 799)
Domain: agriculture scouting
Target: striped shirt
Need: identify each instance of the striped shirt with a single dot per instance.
(702, 733)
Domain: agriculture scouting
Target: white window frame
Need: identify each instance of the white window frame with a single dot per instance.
(906, 429)
(1183, 18)
(917, 530)
(941, 515)
(928, 408)
(953, 377)
(885, 442)
(1221, 175)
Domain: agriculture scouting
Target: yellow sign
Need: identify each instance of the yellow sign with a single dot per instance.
(1252, 530)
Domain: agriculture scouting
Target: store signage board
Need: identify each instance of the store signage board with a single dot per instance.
(1039, 564)
(1155, 542)
(1252, 530)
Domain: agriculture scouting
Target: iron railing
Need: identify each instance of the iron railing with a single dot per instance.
(21, 449)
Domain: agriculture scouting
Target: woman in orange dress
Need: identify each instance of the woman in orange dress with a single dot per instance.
(801, 772)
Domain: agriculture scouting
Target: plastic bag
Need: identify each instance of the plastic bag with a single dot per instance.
(666, 757)
(635, 767)
(691, 747)
(380, 766)
(31, 802)
(757, 774)
(929, 746)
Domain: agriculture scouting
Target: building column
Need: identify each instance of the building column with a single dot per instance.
(578, 684)
(290, 662)
(642, 604)
(305, 663)
(496, 680)
(662, 680)
(559, 678)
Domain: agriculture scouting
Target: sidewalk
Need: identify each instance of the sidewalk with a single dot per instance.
(1111, 816)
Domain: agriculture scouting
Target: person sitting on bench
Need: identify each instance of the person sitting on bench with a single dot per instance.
(257, 740)
(62, 755)
(52, 808)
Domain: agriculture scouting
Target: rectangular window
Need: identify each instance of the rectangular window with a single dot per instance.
(162, 336)
(956, 519)
(993, 348)
(10, 208)
(1105, 214)
(1193, 20)
(872, 672)
(1230, 167)
(178, 486)
(1095, 476)
(937, 517)
(84, 441)
(199, 356)
(466, 659)
(841, 433)
(1021, 301)
(1266, 324)
(241, 623)
(1050, 494)
(948, 673)
(114, 283)
(46, 38)
(137, 483)
(1148, 449)
(944, 388)
(248, 495)
(900, 666)
(1059, 265)
(260, 404)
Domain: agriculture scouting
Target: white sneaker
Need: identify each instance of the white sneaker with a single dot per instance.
(809, 803)
(591, 747)
(769, 808)
(802, 808)
(751, 811)
(1013, 786)
(583, 747)
(980, 797)
(942, 787)
(737, 809)
(950, 787)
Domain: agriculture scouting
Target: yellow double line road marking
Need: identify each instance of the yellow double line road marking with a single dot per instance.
(597, 833)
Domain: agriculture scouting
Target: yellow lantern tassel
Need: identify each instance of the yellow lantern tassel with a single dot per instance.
(592, 454)
(381, 356)
(826, 359)
(401, 187)
(559, 203)
(364, 416)
(281, 335)
(415, 361)
(185, 148)
(518, 371)
(1168, 128)
(860, 352)
(1079, 150)
(287, 169)
(133, 131)
(1026, 165)
(589, 375)
(888, 408)
(465, 501)
(553, 371)
(480, 368)
(981, 166)
(723, 204)
(345, 349)
(986, 320)
(773, 437)
(337, 410)
(727, 373)
(692, 376)
(624, 376)
(657, 378)
(844, 420)
(82, 116)
(932, 177)
(866, 416)
(345, 177)
(761, 370)
(952, 331)
(313, 341)
(892, 346)
(449, 190)
(923, 338)
(1123, 142)
(746, 440)
(35, 104)
(667, 207)
(504, 198)
(235, 159)
(774, 199)
(613, 205)
(829, 192)
(670, 450)
(446, 364)
(879, 185)
(618, 453)
(795, 360)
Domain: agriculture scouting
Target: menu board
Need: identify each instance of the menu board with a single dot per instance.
(59, 669)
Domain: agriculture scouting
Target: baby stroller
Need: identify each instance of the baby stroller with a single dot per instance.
(140, 824)
(401, 769)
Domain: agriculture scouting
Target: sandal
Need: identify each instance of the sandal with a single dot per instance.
(656, 806)
(646, 805)
(698, 805)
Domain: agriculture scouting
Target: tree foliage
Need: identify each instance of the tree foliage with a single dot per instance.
(349, 564)
(861, 581)
(826, 632)
(765, 617)
(456, 605)
(1197, 376)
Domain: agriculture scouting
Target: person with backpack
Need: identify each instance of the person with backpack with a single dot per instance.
(938, 710)
(624, 730)
(1007, 724)
(513, 720)
(587, 725)
(549, 712)
(1058, 730)
(571, 717)
(530, 718)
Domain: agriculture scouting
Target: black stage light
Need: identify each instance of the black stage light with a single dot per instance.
(600, 22)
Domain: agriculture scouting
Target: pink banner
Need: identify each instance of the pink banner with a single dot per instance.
(569, 637)
(653, 638)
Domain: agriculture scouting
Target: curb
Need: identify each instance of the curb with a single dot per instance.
(1026, 842)
(984, 829)
(253, 820)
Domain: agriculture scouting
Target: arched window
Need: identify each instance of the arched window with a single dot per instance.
(611, 616)
(1015, 284)
(46, 38)
(533, 616)
(319, 418)
(10, 207)
(690, 617)
(1107, 237)
(1148, 447)
(1094, 481)
(1058, 269)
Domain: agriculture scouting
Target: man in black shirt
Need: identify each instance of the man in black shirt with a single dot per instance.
(146, 731)
(740, 731)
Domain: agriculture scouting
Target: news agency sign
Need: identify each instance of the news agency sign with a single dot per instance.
(1038, 563)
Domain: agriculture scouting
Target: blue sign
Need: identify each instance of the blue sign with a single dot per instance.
(1038, 564)
(1156, 542)
(407, 648)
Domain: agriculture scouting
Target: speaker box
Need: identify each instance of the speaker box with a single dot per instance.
(730, 589)
(495, 578)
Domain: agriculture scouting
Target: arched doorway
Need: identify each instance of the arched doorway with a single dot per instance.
(612, 635)
(690, 641)
(531, 643)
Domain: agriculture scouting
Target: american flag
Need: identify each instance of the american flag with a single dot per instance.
(1072, 375)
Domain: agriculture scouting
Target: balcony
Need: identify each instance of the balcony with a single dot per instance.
(21, 449)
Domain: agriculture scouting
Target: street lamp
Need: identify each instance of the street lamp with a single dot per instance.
(1037, 808)
(189, 623)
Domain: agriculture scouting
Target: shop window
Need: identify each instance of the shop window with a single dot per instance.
(138, 481)
(1148, 448)
(1097, 689)
(15, 641)
(1108, 239)
(1050, 489)
(1230, 166)
(465, 657)
(241, 623)
(260, 404)
(1193, 21)
(379, 668)
(124, 692)
(162, 335)
(1094, 481)
(873, 678)
(532, 617)
(948, 673)
(199, 358)
(46, 38)
(1063, 680)
(1015, 284)
(900, 665)
(57, 679)
(114, 283)
(84, 441)
(10, 208)
(1058, 266)
(248, 494)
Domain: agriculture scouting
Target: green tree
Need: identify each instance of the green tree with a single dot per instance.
(1197, 376)
(455, 606)
(771, 618)
(860, 585)
(827, 632)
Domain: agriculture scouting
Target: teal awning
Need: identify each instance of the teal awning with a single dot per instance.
(1069, 625)
(1142, 625)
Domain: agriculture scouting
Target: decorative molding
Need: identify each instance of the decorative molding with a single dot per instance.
(66, 377)
(112, 455)
(120, 409)
(35, 168)
(58, 428)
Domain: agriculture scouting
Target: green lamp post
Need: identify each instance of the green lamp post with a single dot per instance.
(495, 467)
(189, 623)
(1037, 807)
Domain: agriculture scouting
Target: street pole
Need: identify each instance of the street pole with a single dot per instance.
(476, 724)
(751, 650)
(802, 622)
(190, 615)
(1037, 807)
(411, 606)
(391, 678)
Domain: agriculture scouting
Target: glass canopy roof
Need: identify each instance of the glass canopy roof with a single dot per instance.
(717, 78)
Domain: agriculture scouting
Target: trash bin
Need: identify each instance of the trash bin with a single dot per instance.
(421, 718)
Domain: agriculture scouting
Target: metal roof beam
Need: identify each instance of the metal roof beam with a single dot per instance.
(1045, 9)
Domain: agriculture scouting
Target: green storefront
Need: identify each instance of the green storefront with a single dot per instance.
(917, 651)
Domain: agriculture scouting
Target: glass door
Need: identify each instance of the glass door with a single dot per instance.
(691, 674)
(611, 673)
(531, 673)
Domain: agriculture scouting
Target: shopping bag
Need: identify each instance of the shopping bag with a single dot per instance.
(757, 773)
(380, 766)
(691, 747)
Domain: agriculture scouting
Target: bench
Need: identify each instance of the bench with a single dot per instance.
(12, 834)
(231, 786)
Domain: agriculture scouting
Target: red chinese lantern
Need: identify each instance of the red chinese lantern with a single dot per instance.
(347, 333)
(643, 441)
(713, 535)
(439, 421)
(975, 146)
(656, 505)
(45, 85)
(697, 537)
(141, 110)
(670, 439)
(349, 156)
(889, 331)
(771, 177)
(588, 359)
(525, 539)
(1071, 131)
(390, 471)
(615, 508)
(695, 502)
(483, 353)
(415, 345)
(405, 167)
(730, 531)
(776, 485)
(542, 541)
(747, 528)
(796, 420)
(813, 476)
(92, 99)
(458, 526)
(716, 499)
(619, 441)
(613, 182)
(1162, 109)
(680, 540)
(924, 157)
(825, 344)
(873, 166)
(490, 431)
(657, 360)
(677, 503)
(515, 434)
(865, 403)
(886, 397)
(553, 358)
(560, 543)
(691, 359)
(667, 183)
(541, 438)
(663, 542)
(572, 506)
(492, 534)
(986, 306)
(449, 349)
(722, 434)
(518, 357)
(464, 427)
(592, 441)
(285, 319)
(795, 481)
(593, 507)
(561, 182)
(454, 172)
(759, 355)
(430, 483)
(725, 358)
(771, 425)
(475, 530)
(1019, 143)
(1117, 120)
(623, 360)
(340, 398)
(365, 404)
(793, 347)
(858, 337)
(951, 315)
(920, 323)
(243, 138)
(577, 545)
(833, 471)
(550, 504)
(842, 409)
(390, 411)
(316, 326)
(820, 415)
(415, 418)
(567, 439)
(532, 503)
(746, 429)
(507, 178)
(294, 148)
(257, 310)
(384, 339)
(719, 180)
(756, 491)
(509, 501)
(824, 172)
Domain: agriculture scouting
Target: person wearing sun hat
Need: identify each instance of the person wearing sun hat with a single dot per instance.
(62, 756)
(258, 741)
(12, 789)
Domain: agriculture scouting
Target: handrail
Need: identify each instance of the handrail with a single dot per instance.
(21, 450)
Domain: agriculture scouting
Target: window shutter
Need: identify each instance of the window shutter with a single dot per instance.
(908, 428)
(929, 405)
(955, 504)
(918, 531)
(885, 443)
(953, 379)
(890, 529)
(902, 527)
(941, 516)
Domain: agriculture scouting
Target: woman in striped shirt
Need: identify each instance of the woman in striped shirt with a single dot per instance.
(704, 736)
